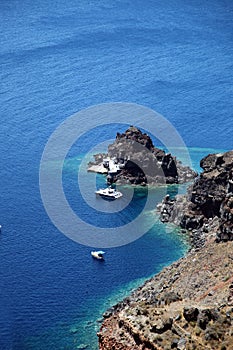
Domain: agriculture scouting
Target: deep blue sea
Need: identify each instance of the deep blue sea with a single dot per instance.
(58, 58)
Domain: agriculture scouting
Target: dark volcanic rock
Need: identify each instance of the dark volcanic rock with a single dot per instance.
(190, 313)
(144, 163)
(207, 209)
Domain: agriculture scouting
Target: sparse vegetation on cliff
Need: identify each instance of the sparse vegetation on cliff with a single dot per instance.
(188, 305)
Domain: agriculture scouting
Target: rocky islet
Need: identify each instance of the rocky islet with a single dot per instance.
(140, 162)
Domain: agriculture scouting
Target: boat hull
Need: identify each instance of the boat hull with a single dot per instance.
(109, 194)
(95, 255)
(109, 198)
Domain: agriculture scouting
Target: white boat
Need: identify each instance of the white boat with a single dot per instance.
(109, 193)
(98, 254)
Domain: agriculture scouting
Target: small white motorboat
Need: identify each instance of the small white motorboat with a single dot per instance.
(98, 254)
(109, 193)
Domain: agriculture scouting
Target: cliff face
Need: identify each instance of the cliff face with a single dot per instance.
(207, 209)
(189, 305)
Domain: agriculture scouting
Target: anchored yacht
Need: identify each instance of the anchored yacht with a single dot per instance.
(109, 193)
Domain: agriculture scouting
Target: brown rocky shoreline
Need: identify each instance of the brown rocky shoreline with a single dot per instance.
(188, 305)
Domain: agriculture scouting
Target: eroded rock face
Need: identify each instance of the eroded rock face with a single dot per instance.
(145, 163)
(207, 209)
(141, 163)
(189, 305)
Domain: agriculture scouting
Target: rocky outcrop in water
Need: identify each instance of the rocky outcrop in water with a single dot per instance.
(189, 305)
(207, 209)
(141, 163)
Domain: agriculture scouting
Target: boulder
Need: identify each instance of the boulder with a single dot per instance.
(161, 325)
(190, 313)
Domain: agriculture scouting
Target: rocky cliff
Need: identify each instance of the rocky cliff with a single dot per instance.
(189, 305)
(140, 162)
(207, 209)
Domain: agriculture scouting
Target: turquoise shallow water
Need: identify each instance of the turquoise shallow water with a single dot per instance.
(58, 58)
(55, 292)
